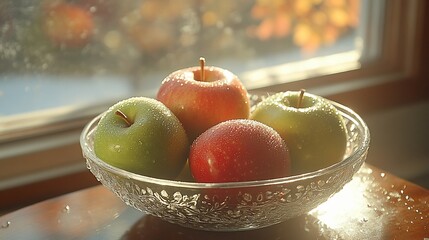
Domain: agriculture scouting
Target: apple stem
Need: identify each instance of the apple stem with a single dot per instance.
(124, 117)
(301, 96)
(202, 64)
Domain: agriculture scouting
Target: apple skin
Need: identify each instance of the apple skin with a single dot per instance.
(154, 145)
(238, 150)
(67, 25)
(315, 132)
(199, 104)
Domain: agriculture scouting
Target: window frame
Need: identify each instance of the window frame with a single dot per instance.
(397, 77)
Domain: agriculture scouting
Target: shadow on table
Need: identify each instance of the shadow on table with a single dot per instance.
(153, 228)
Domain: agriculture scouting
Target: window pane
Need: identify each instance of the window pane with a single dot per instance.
(74, 55)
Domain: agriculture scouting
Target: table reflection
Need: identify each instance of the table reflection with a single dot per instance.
(150, 227)
(373, 205)
(350, 211)
(368, 208)
(364, 209)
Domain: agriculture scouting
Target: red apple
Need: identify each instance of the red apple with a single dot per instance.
(202, 97)
(239, 150)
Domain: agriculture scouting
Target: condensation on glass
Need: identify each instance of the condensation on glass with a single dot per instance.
(78, 53)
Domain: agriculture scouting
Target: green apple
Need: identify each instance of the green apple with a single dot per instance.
(310, 125)
(143, 136)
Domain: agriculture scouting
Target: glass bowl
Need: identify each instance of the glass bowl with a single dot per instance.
(232, 206)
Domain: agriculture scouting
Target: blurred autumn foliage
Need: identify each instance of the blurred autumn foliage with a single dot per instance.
(310, 23)
(121, 36)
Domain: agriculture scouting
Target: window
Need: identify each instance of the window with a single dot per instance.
(63, 62)
(60, 57)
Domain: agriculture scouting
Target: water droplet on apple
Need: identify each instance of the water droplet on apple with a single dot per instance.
(117, 148)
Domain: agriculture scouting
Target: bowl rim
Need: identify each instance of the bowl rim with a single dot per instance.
(353, 158)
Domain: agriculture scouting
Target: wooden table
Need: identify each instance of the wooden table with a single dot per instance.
(374, 205)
